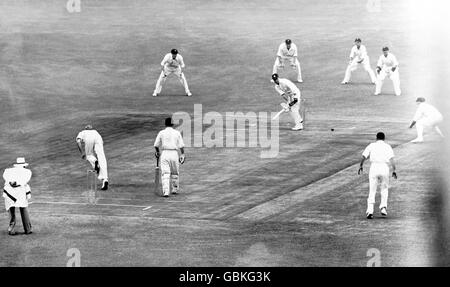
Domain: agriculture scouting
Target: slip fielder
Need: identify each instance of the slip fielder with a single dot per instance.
(287, 52)
(172, 63)
(387, 66)
(93, 152)
(426, 116)
(358, 55)
(167, 144)
(291, 94)
(381, 156)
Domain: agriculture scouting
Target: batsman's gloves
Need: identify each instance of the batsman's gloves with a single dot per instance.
(285, 106)
(412, 124)
(394, 175)
(360, 170)
(378, 70)
(359, 62)
(157, 154)
(182, 158)
(293, 102)
(83, 156)
(393, 69)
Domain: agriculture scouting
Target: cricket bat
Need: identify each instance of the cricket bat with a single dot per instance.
(158, 187)
(285, 106)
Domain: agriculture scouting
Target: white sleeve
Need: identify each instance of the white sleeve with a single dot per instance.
(295, 50)
(157, 140)
(394, 59)
(180, 143)
(280, 51)
(5, 176)
(364, 52)
(165, 59)
(352, 52)
(367, 151)
(80, 136)
(390, 153)
(181, 61)
(380, 61)
(279, 90)
(418, 113)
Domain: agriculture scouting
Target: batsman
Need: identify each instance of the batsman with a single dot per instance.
(169, 148)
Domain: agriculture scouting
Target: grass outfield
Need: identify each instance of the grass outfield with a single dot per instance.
(305, 207)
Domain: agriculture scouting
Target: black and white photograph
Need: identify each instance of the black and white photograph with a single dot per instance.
(233, 134)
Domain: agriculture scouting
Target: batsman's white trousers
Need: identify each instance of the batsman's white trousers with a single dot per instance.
(94, 152)
(165, 73)
(170, 165)
(295, 113)
(378, 176)
(394, 76)
(294, 63)
(353, 65)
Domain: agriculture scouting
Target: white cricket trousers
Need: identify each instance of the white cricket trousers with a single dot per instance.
(169, 163)
(378, 176)
(395, 78)
(165, 73)
(94, 152)
(295, 113)
(428, 122)
(294, 64)
(353, 65)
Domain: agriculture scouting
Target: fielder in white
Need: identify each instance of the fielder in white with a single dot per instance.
(172, 63)
(167, 144)
(294, 103)
(287, 52)
(17, 192)
(387, 66)
(93, 152)
(426, 116)
(358, 55)
(381, 155)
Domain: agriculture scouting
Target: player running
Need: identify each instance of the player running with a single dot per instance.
(172, 63)
(291, 94)
(381, 155)
(358, 55)
(167, 144)
(387, 66)
(93, 152)
(426, 115)
(287, 52)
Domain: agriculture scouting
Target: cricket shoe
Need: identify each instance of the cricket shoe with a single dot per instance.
(165, 195)
(344, 83)
(298, 127)
(369, 215)
(155, 94)
(97, 167)
(383, 211)
(189, 94)
(105, 185)
(300, 80)
(11, 230)
(417, 140)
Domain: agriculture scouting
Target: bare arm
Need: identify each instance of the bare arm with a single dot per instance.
(80, 148)
(394, 174)
(363, 159)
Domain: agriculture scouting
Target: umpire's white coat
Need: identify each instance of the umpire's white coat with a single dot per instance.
(17, 196)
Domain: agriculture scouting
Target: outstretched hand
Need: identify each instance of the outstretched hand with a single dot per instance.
(360, 170)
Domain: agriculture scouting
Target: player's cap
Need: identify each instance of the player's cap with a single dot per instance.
(358, 40)
(420, 100)
(288, 41)
(168, 122)
(88, 127)
(381, 136)
(385, 49)
(174, 51)
(275, 77)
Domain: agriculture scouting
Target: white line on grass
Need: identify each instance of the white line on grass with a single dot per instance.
(84, 203)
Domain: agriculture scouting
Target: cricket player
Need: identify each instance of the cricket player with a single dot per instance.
(17, 192)
(387, 66)
(358, 55)
(167, 144)
(93, 152)
(426, 115)
(172, 63)
(381, 156)
(291, 94)
(287, 52)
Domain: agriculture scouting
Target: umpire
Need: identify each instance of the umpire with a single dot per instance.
(16, 192)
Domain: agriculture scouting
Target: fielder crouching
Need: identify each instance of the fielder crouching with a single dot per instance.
(17, 192)
(167, 144)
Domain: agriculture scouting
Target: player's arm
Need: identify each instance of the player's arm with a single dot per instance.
(164, 61)
(379, 64)
(157, 145)
(363, 54)
(181, 62)
(394, 173)
(181, 147)
(363, 159)
(80, 148)
(395, 63)
(416, 117)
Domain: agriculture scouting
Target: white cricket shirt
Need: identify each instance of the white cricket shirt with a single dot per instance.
(90, 136)
(387, 62)
(285, 53)
(378, 152)
(359, 54)
(425, 110)
(169, 62)
(288, 87)
(169, 139)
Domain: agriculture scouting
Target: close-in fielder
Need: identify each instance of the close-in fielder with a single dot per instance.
(172, 63)
(426, 116)
(387, 66)
(287, 52)
(93, 152)
(294, 103)
(381, 155)
(167, 144)
(358, 55)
